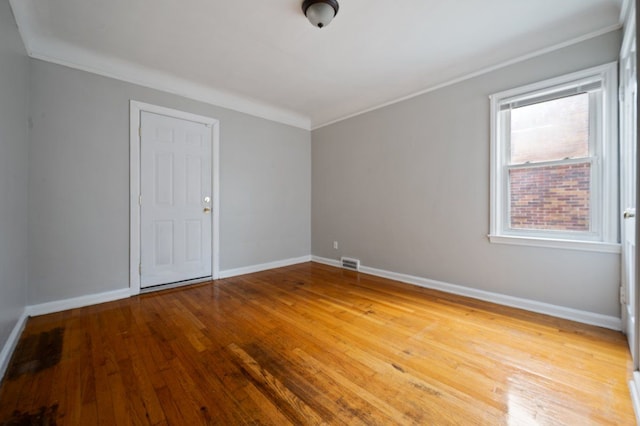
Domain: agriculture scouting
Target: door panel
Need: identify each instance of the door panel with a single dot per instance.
(175, 218)
(194, 177)
(164, 178)
(194, 241)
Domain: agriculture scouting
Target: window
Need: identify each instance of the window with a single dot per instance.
(554, 162)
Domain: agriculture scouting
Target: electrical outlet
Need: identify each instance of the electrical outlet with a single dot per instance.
(335, 245)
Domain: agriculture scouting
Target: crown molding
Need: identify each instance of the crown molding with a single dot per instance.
(478, 73)
(84, 60)
(42, 48)
(21, 15)
(73, 57)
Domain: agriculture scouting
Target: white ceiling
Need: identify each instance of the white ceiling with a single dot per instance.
(265, 58)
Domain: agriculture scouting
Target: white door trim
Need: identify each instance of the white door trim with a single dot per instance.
(135, 108)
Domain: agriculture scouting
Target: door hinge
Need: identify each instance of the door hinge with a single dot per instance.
(139, 268)
(140, 200)
(140, 132)
(623, 295)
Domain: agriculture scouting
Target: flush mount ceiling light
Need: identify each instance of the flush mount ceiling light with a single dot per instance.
(320, 12)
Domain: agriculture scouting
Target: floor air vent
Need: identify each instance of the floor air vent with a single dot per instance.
(348, 263)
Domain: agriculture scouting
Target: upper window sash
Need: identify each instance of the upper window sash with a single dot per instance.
(586, 85)
(595, 122)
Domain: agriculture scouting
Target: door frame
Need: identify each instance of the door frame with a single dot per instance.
(627, 304)
(632, 16)
(135, 110)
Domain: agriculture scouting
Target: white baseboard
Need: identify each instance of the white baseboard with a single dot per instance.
(530, 305)
(93, 299)
(48, 308)
(585, 317)
(11, 343)
(634, 386)
(77, 302)
(325, 261)
(263, 267)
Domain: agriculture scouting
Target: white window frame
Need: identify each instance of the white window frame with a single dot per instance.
(604, 233)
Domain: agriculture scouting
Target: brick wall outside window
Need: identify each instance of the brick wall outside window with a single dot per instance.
(553, 197)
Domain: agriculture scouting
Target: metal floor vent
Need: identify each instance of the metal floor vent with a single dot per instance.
(349, 263)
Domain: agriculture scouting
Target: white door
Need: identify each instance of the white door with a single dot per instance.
(175, 211)
(628, 131)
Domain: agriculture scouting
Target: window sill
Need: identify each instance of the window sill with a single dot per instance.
(560, 244)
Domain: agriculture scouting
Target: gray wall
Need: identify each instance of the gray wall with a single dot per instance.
(14, 87)
(79, 183)
(406, 189)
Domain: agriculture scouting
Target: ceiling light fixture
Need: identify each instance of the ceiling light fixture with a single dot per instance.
(320, 12)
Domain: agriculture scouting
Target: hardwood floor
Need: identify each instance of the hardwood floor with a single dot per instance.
(312, 344)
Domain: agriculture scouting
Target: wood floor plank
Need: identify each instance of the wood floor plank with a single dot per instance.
(313, 344)
(356, 335)
(288, 401)
(269, 412)
(388, 413)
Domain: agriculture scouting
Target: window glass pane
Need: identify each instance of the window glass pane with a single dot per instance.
(551, 130)
(551, 198)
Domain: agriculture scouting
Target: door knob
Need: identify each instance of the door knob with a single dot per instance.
(629, 213)
(207, 209)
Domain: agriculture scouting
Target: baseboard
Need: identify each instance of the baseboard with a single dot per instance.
(585, 317)
(325, 261)
(93, 299)
(12, 342)
(263, 267)
(77, 302)
(634, 387)
(48, 308)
